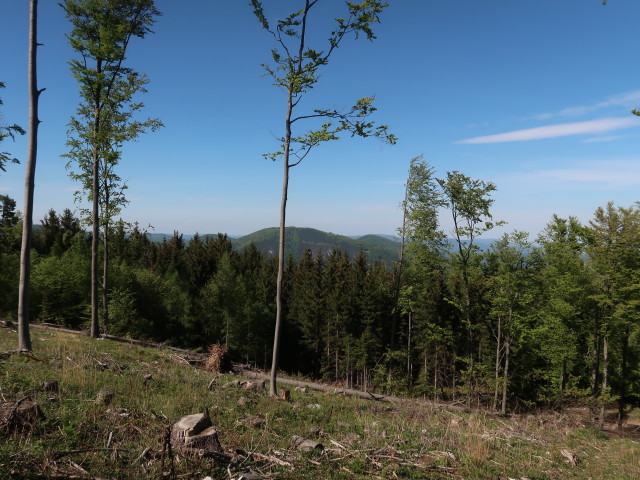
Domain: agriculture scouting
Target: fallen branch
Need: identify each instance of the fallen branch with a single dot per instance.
(348, 391)
(59, 455)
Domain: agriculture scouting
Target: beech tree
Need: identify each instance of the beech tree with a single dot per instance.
(424, 250)
(295, 68)
(614, 253)
(510, 298)
(469, 202)
(105, 119)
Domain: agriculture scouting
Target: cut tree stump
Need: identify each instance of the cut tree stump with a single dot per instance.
(285, 394)
(104, 397)
(306, 444)
(20, 415)
(570, 457)
(51, 386)
(196, 432)
(258, 386)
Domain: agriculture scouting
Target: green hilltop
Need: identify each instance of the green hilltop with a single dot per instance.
(297, 240)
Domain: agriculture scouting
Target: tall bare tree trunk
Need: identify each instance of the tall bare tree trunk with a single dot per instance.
(24, 339)
(281, 245)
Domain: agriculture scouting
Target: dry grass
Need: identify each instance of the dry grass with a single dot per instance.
(218, 359)
(362, 439)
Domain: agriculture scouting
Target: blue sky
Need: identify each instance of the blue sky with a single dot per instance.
(532, 95)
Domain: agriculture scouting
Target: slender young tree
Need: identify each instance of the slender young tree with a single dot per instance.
(104, 120)
(423, 242)
(24, 339)
(295, 68)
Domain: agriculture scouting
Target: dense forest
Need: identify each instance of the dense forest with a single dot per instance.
(524, 323)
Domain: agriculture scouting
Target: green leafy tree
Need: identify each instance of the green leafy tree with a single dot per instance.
(105, 119)
(296, 69)
(469, 201)
(566, 310)
(614, 254)
(423, 247)
(511, 297)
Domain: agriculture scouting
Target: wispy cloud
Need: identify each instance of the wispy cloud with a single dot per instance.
(593, 175)
(608, 138)
(627, 100)
(559, 130)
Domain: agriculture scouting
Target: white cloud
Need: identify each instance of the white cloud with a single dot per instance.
(627, 100)
(593, 175)
(608, 138)
(560, 130)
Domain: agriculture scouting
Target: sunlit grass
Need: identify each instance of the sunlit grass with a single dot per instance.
(362, 439)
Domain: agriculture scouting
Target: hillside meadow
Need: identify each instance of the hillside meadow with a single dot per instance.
(79, 437)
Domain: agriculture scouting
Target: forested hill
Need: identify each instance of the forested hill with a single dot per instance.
(375, 247)
(298, 240)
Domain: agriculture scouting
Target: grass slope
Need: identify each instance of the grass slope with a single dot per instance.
(362, 439)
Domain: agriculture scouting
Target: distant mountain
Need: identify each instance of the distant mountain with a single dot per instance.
(297, 240)
(385, 248)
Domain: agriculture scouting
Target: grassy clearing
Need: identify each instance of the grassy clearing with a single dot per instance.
(362, 439)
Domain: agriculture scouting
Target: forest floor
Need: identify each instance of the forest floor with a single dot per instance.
(79, 437)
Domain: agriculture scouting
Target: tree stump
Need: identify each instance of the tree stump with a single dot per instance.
(306, 444)
(20, 415)
(257, 386)
(196, 432)
(50, 386)
(104, 397)
(285, 394)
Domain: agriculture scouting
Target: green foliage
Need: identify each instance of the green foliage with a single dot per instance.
(296, 67)
(8, 131)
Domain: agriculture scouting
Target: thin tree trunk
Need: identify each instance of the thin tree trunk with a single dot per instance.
(409, 364)
(497, 372)
(469, 340)
(281, 245)
(595, 364)
(563, 376)
(105, 272)
(95, 218)
(24, 338)
(283, 211)
(622, 402)
(505, 384)
(605, 376)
